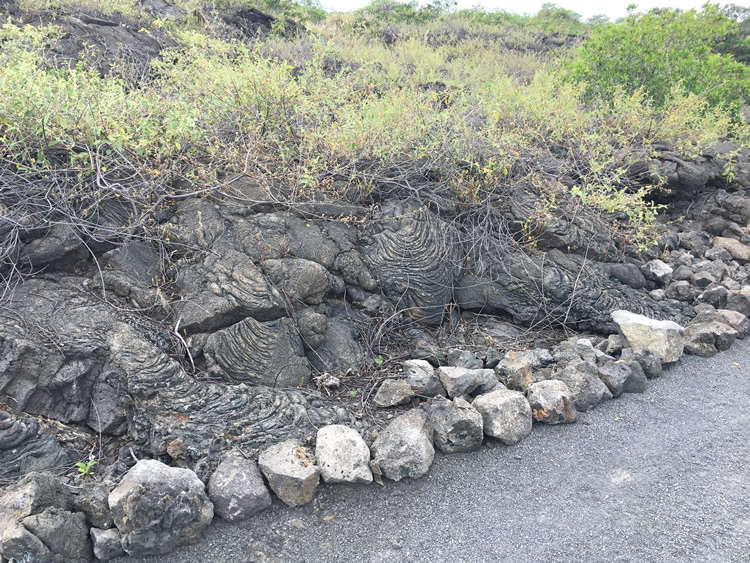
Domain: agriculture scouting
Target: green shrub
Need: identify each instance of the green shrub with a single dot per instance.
(661, 48)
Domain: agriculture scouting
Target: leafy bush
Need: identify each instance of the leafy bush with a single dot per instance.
(470, 117)
(661, 48)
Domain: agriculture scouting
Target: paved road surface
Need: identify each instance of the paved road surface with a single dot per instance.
(663, 476)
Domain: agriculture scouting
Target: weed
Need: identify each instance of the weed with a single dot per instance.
(86, 468)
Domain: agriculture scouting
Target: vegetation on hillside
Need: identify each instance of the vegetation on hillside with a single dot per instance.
(394, 97)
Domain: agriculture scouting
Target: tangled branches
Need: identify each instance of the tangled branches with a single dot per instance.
(105, 200)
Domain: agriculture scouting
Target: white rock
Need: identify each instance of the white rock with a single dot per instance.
(658, 271)
(343, 456)
(291, 472)
(664, 338)
(237, 489)
(462, 381)
(506, 415)
(404, 448)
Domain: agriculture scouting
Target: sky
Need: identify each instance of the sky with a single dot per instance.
(612, 8)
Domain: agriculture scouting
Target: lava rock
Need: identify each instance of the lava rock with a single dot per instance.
(462, 381)
(463, 359)
(506, 415)
(106, 544)
(298, 279)
(343, 456)
(93, 502)
(715, 296)
(421, 377)
(393, 392)
(706, 339)
(682, 272)
(658, 271)
(680, 291)
(738, 251)
(236, 489)
(456, 426)
(623, 377)
(551, 402)
(739, 300)
(158, 508)
(404, 448)
(614, 375)
(737, 321)
(702, 279)
(312, 328)
(613, 345)
(582, 378)
(637, 382)
(64, 533)
(518, 370)
(663, 337)
(268, 353)
(649, 361)
(26, 448)
(291, 472)
(718, 253)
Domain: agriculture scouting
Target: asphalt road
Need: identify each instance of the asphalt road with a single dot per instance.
(663, 476)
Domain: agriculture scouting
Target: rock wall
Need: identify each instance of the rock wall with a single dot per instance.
(216, 346)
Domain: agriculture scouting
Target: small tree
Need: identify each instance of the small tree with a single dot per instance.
(659, 49)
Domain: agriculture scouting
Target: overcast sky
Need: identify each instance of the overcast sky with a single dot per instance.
(587, 8)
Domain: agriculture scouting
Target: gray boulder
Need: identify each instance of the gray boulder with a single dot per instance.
(341, 350)
(702, 279)
(158, 508)
(582, 378)
(35, 495)
(614, 375)
(716, 296)
(718, 253)
(291, 472)
(343, 456)
(613, 345)
(738, 251)
(456, 426)
(518, 369)
(551, 402)
(393, 392)
(649, 361)
(404, 448)
(637, 382)
(683, 272)
(462, 381)
(421, 377)
(93, 502)
(708, 338)
(236, 489)
(662, 337)
(621, 377)
(681, 291)
(506, 415)
(658, 271)
(739, 300)
(737, 321)
(106, 543)
(463, 359)
(64, 533)
(18, 544)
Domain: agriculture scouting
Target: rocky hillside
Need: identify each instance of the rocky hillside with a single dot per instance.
(222, 230)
